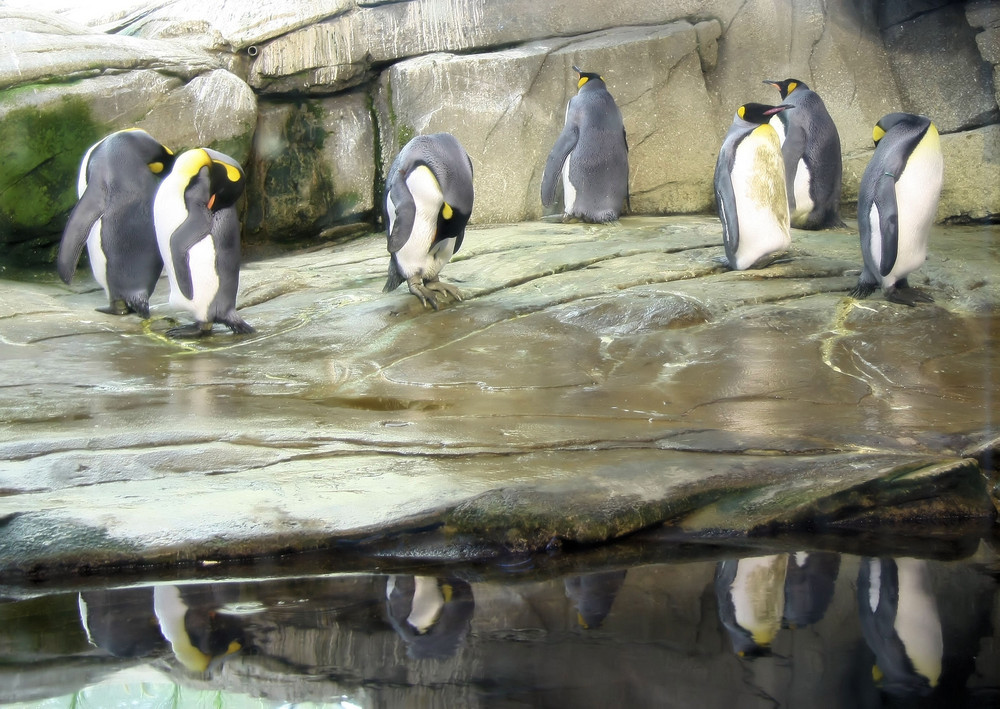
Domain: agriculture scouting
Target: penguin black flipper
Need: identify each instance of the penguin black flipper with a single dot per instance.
(404, 212)
(554, 164)
(726, 197)
(81, 220)
(888, 222)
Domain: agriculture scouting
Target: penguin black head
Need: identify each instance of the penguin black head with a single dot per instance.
(586, 76)
(891, 120)
(759, 112)
(787, 86)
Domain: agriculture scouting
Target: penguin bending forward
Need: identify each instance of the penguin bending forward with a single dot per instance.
(750, 189)
(428, 201)
(897, 201)
(591, 154)
(198, 231)
(810, 145)
(118, 179)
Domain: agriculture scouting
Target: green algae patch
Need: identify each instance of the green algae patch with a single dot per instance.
(40, 153)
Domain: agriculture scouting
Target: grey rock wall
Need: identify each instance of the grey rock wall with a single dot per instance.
(342, 85)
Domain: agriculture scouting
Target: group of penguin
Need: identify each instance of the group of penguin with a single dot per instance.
(142, 208)
(778, 167)
(781, 166)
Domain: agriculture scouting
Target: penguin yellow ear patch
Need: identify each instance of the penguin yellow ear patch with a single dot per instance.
(447, 211)
(792, 86)
(156, 167)
(231, 172)
(741, 111)
(877, 134)
(583, 80)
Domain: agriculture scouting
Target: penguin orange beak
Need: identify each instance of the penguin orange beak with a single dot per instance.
(211, 201)
(777, 109)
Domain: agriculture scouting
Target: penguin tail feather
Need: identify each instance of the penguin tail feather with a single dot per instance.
(395, 277)
(863, 289)
(138, 303)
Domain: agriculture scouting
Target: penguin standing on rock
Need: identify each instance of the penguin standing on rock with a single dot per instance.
(198, 231)
(810, 145)
(750, 189)
(591, 153)
(114, 217)
(897, 201)
(428, 201)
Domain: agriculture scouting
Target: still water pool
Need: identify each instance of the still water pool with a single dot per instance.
(720, 629)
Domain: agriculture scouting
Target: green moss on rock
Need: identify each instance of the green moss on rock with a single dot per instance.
(40, 153)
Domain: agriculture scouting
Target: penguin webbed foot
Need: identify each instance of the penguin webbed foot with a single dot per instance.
(238, 325)
(190, 332)
(906, 295)
(429, 291)
(118, 307)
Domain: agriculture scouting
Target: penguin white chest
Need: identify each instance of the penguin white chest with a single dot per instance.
(204, 279)
(420, 255)
(758, 178)
(569, 191)
(800, 190)
(95, 251)
(917, 192)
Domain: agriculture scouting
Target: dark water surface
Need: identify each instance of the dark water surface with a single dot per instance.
(727, 630)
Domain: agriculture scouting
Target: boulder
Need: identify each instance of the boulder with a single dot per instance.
(941, 71)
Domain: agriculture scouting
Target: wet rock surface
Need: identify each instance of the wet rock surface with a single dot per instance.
(595, 381)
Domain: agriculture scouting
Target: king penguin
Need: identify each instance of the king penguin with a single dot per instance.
(198, 231)
(750, 189)
(591, 153)
(897, 201)
(428, 201)
(810, 145)
(901, 624)
(119, 176)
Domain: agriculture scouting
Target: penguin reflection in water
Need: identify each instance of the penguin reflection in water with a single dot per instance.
(751, 596)
(431, 615)
(810, 145)
(750, 189)
(901, 625)
(897, 201)
(114, 217)
(428, 202)
(198, 231)
(591, 154)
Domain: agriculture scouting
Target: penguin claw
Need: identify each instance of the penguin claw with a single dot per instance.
(425, 291)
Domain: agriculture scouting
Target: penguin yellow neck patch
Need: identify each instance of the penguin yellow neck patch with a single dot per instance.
(446, 211)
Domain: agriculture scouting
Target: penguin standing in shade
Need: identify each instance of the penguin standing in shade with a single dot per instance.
(118, 180)
(901, 624)
(198, 231)
(897, 201)
(591, 153)
(428, 201)
(750, 189)
(810, 145)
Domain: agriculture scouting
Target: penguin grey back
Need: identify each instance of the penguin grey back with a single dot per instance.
(119, 179)
(810, 136)
(593, 140)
